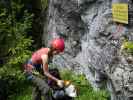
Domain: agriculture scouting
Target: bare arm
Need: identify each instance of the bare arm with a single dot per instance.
(45, 68)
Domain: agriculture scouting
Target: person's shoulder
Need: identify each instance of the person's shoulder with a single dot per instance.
(43, 48)
(47, 49)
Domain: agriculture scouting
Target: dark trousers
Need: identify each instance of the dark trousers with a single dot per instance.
(41, 89)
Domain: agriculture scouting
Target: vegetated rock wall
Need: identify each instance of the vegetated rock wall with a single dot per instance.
(92, 43)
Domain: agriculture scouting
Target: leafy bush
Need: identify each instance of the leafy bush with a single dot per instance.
(14, 41)
(15, 23)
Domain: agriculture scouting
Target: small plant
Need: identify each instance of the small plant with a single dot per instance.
(127, 46)
(85, 90)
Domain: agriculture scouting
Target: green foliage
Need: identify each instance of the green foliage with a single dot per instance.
(25, 94)
(15, 44)
(20, 53)
(13, 30)
(44, 3)
(14, 40)
(86, 92)
(15, 82)
(127, 46)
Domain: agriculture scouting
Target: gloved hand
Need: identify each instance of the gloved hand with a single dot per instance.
(60, 83)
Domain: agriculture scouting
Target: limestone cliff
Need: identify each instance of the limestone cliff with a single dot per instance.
(93, 43)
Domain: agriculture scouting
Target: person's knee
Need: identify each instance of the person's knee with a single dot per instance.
(45, 91)
(41, 84)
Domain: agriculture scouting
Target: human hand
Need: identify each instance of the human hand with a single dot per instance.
(29, 68)
(60, 83)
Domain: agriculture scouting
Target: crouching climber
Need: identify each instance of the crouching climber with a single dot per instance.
(39, 62)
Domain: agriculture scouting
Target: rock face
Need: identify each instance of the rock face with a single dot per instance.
(92, 43)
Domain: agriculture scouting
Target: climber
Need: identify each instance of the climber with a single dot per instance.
(39, 62)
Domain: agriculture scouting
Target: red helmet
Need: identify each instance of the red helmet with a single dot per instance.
(58, 44)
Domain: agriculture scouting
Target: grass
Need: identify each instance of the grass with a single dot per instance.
(85, 91)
